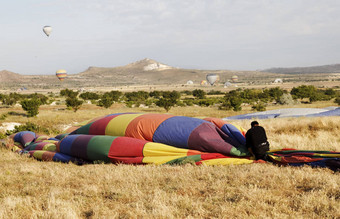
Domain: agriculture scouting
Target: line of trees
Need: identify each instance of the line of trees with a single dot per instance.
(232, 100)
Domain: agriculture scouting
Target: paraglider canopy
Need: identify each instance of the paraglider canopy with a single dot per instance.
(47, 30)
(212, 78)
(61, 74)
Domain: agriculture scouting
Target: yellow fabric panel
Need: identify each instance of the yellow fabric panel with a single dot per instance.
(226, 161)
(160, 159)
(118, 125)
(242, 130)
(328, 155)
(50, 147)
(275, 157)
(38, 154)
(152, 149)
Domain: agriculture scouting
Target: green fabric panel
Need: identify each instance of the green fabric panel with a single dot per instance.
(187, 159)
(84, 129)
(98, 148)
(239, 152)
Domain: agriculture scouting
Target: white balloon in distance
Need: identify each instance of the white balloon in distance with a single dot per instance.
(212, 78)
(47, 30)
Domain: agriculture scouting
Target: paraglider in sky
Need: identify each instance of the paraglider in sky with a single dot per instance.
(212, 78)
(61, 74)
(234, 78)
(47, 30)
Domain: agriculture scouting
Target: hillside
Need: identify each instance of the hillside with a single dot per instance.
(148, 72)
(7, 76)
(306, 70)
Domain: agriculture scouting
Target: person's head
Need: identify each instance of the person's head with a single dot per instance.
(254, 123)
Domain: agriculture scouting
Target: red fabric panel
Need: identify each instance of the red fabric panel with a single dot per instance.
(98, 127)
(218, 122)
(48, 156)
(144, 126)
(127, 160)
(126, 147)
(210, 156)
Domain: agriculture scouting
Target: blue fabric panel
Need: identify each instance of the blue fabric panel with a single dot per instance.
(66, 144)
(24, 137)
(234, 133)
(335, 112)
(62, 158)
(176, 130)
(247, 116)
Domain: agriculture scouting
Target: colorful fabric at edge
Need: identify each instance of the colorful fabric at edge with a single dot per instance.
(293, 157)
(138, 149)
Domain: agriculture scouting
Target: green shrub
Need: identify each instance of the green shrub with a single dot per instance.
(199, 94)
(31, 106)
(74, 103)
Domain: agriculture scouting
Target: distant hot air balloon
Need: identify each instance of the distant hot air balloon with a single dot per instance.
(47, 30)
(204, 82)
(61, 74)
(234, 78)
(212, 78)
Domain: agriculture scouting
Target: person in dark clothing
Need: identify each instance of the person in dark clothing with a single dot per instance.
(256, 141)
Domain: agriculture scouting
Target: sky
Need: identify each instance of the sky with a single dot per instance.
(195, 34)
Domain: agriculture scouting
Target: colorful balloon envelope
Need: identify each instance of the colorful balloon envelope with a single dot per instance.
(234, 78)
(204, 82)
(61, 74)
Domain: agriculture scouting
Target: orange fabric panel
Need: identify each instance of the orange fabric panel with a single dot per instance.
(144, 126)
(194, 152)
(218, 122)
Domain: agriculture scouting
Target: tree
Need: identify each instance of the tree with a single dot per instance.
(68, 93)
(89, 96)
(199, 94)
(276, 93)
(337, 100)
(166, 103)
(232, 100)
(304, 91)
(31, 106)
(260, 106)
(105, 101)
(74, 103)
(168, 100)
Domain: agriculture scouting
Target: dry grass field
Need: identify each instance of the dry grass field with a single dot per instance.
(34, 189)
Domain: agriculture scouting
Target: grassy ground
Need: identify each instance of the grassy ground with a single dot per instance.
(33, 189)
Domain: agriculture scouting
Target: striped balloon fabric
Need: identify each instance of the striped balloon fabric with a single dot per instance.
(135, 138)
(179, 131)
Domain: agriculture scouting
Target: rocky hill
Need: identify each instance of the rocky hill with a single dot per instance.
(7, 76)
(306, 70)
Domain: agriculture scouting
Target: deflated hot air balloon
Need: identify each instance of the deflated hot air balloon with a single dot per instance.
(47, 30)
(212, 78)
(61, 74)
